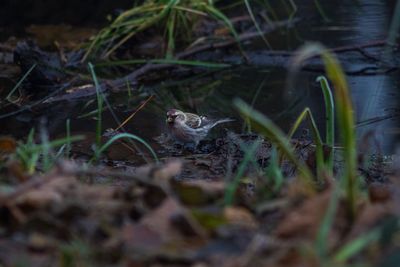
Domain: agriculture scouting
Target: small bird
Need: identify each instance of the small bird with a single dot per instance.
(188, 127)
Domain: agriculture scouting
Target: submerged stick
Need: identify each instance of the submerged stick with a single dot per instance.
(134, 113)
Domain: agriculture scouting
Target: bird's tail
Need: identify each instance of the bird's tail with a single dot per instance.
(221, 121)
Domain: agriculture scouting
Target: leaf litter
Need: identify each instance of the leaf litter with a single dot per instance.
(163, 215)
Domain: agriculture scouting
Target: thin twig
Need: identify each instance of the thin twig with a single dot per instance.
(134, 113)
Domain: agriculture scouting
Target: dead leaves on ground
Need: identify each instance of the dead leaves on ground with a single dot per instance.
(156, 220)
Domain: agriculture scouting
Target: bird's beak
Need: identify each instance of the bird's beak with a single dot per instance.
(170, 119)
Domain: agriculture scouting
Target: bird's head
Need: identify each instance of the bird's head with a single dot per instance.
(174, 115)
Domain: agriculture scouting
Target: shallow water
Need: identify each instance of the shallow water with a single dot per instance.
(375, 97)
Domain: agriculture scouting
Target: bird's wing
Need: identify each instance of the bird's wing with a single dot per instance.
(193, 120)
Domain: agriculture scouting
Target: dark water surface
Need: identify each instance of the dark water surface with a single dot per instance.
(375, 97)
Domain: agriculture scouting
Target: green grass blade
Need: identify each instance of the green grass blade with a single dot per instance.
(294, 9)
(99, 108)
(344, 114)
(92, 46)
(267, 128)
(317, 138)
(221, 16)
(89, 114)
(321, 245)
(330, 120)
(274, 171)
(68, 144)
(20, 81)
(321, 11)
(357, 245)
(29, 153)
(36, 148)
(129, 89)
(256, 23)
(171, 35)
(233, 185)
(46, 150)
(129, 136)
(149, 22)
(61, 152)
(346, 125)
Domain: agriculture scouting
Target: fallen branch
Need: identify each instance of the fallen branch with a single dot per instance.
(133, 78)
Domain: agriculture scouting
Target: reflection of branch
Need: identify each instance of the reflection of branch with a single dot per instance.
(347, 48)
(361, 49)
(365, 71)
(379, 67)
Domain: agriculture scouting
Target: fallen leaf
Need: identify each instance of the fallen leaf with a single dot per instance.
(198, 192)
(140, 237)
(8, 145)
(171, 221)
(240, 217)
(379, 192)
(303, 221)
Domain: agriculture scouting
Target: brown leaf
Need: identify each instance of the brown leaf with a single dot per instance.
(172, 222)
(240, 217)
(40, 242)
(169, 170)
(141, 237)
(45, 191)
(39, 198)
(7, 145)
(198, 192)
(379, 192)
(303, 221)
(160, 173)
(16, 170)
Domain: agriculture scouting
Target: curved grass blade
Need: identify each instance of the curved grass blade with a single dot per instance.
(294, 9)
(233, 185)
(317, 138)
(344, 112)
(171, 35)
(323, 231)
(256, 23)
(129, 136)
(165, 11)
(330, 120)
(29, 152)
(221, 16)
(321, 11)
(99, 106)
(36, 148)
(357, 245)
(68, 136)
(267, 128)
(274, 171)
